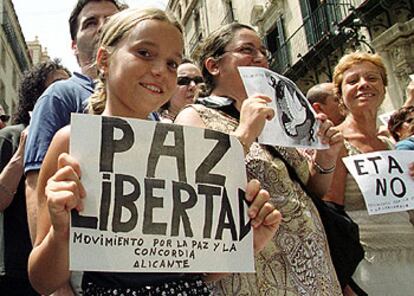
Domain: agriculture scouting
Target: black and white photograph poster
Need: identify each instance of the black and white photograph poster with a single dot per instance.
(294, 124)
(159, 198)
(384, 180)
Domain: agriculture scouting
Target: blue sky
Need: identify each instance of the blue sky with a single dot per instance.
(48, 19)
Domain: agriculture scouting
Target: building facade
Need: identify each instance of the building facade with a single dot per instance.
(37, 52)
(14, 56)
(307, 37)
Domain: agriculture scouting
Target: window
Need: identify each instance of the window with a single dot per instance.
(318, 18)
(179, 12)
(196, 20)
(14, 78)
(3, 56)
(229, 13)
(2, 93)
(276, 43)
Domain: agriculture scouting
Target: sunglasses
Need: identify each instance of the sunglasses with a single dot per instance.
(184, 80)
(4, 117)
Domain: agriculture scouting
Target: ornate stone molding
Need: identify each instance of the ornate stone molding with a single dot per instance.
(263, 16)
(397, 43)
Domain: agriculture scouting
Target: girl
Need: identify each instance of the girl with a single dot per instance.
(137, 58)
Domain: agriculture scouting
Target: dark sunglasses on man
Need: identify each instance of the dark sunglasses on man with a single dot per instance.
(4, 117)
(184, 80)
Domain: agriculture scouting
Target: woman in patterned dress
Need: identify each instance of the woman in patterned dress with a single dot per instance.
(297, 261)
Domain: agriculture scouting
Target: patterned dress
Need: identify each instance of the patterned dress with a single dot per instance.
(297, 261)
(388, 241)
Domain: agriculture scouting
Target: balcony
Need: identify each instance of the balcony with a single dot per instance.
(228, 18)
(14, 42)
(194, 42)
(319, 32)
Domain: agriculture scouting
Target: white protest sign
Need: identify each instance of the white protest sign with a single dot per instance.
(383, 180)
(160, 198)
(294, 124)
(385, 117)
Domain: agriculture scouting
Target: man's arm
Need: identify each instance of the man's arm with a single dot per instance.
(31, 202)
(11, 169)
(410, 95)
(47, 118)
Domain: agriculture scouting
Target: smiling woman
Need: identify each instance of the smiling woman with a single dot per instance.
(360, 80)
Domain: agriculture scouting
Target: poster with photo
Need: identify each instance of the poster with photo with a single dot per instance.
(294, 124)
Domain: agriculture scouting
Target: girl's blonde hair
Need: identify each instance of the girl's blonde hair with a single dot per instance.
(118, 27)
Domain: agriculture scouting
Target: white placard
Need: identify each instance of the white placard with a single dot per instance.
(160, 198)
(385, 117)
(384, 180)
(294, 124)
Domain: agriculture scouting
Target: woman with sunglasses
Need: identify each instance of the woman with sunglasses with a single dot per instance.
(297, 260)
(189, 83)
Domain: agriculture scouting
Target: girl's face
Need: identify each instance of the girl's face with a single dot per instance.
(142, 70)
(363, 87)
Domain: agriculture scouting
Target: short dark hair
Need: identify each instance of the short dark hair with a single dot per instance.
(32, 85)
(73, 19)
(397, 119)
(318, 93)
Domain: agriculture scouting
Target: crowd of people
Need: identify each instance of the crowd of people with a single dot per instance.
(132, 65)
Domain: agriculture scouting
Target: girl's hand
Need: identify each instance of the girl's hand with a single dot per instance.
(64, 192)
(265, 219)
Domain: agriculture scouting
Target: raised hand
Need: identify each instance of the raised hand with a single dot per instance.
(329, 134)
(22, 143)
(253, 115)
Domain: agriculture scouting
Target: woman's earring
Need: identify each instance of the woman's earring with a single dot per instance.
(102, 74)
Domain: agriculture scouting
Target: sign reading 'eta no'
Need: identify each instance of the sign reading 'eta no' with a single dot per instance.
(384, 180)
(160, 198)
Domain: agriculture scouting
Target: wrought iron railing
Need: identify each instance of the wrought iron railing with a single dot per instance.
(228, 18)
(13, 41)
(323, 21)
(194, 42)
